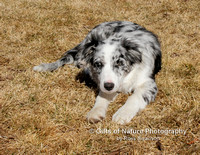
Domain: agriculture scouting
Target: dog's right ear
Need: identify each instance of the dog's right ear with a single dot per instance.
(94, 39)
(88, 51)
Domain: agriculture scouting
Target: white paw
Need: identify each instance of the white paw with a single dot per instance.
(124, 115)
(96, 115)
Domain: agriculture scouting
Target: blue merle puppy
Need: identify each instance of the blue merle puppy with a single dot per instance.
(119, 56)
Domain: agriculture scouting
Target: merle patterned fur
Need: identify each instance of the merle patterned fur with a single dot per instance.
(130, 52)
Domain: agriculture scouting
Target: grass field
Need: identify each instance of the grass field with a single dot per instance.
(45, 113)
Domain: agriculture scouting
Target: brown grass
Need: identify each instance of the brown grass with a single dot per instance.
(44, 113)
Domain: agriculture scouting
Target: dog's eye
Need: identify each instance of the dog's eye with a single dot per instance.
(119, 62)
(98, 65)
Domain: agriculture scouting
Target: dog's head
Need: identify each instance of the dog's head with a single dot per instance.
(110, 61)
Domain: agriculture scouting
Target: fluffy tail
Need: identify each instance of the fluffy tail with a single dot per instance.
(68, 58)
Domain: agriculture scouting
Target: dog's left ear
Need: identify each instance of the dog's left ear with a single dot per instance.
(132, 53)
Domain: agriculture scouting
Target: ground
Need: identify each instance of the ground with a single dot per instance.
(45, 113)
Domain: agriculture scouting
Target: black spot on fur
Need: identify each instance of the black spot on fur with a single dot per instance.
(96, 38)
(146, 99)
(152, 46)
(139, 35)
(157, 65)
(118, 28)
(152, 92)
(155, 88)
(129, 31)
(141, 28)
(114, 39)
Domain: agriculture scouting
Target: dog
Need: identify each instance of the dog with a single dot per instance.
(120, 56)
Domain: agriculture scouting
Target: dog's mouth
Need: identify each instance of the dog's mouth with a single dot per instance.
(108, 92)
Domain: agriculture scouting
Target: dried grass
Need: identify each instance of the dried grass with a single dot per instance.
(44, 113)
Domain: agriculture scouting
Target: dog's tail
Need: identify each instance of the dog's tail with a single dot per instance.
(67, 58)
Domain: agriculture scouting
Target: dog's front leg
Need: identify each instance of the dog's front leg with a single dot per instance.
(144, 94)
(98, 112)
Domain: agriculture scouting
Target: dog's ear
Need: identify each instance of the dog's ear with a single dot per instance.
(88, 51)
(94, 39)
(132, 53)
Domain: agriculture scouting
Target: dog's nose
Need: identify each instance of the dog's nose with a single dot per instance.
(109, 85)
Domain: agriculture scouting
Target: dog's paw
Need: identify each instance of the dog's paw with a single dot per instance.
(96, 115)
(123, 116)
